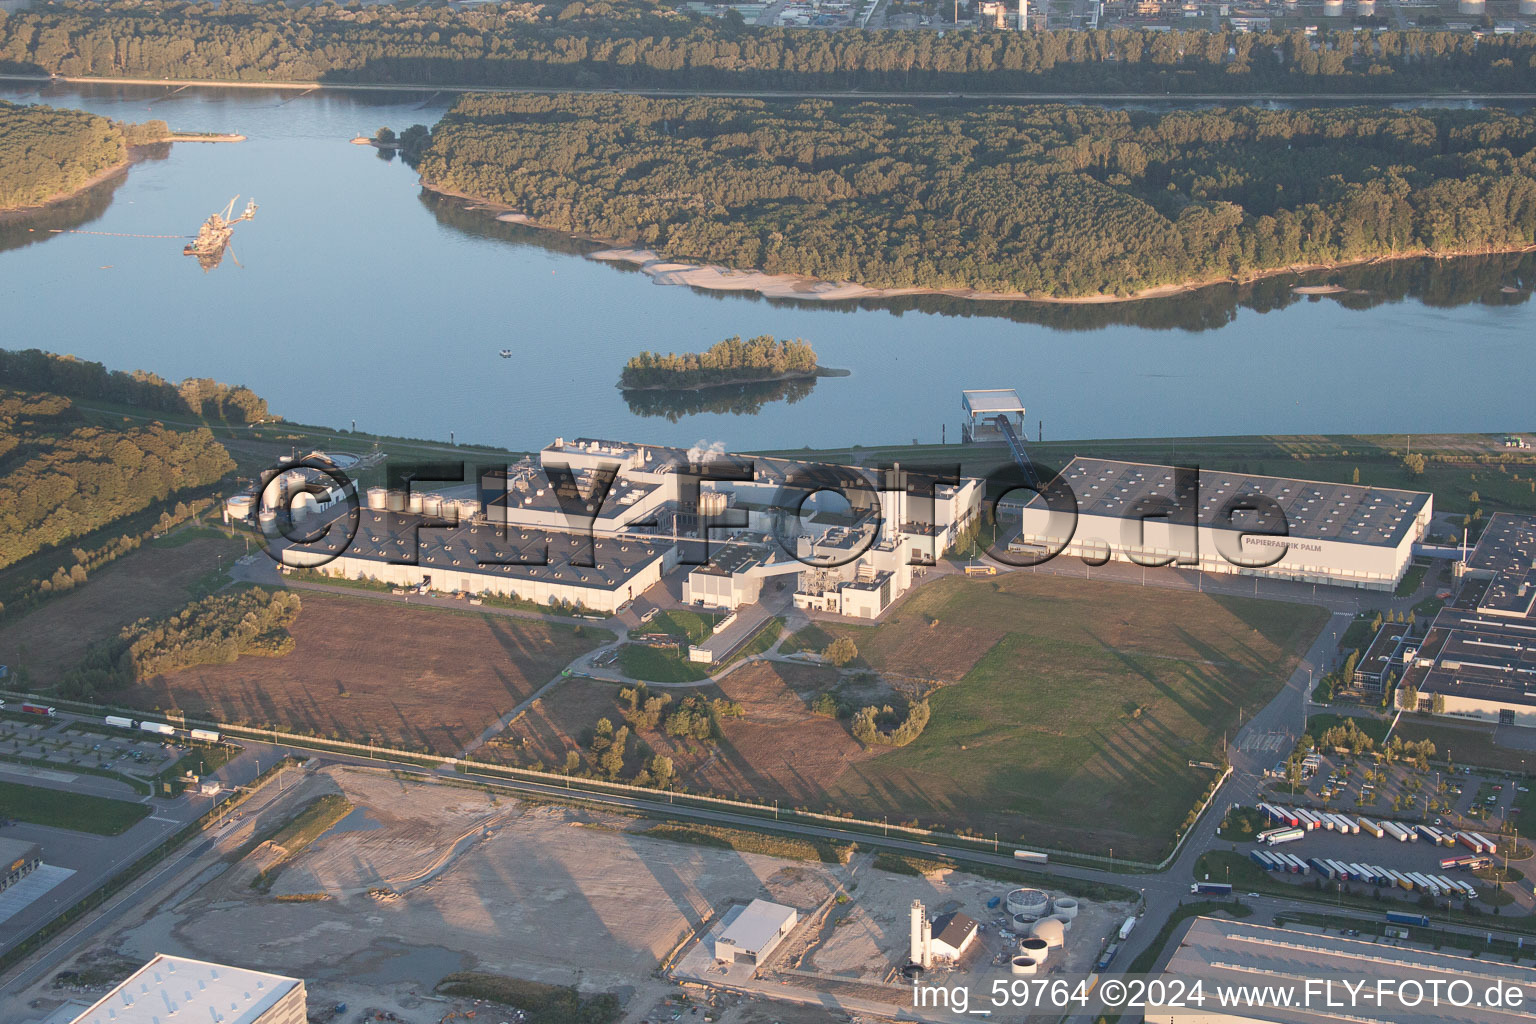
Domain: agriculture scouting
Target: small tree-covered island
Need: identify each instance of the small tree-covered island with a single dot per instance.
(724, 363)
(1042, 202)
(48, 153)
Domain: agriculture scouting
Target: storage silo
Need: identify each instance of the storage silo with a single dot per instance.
(241, 506)
(1050, 932)
(1029, 904)
(432, 504)
(468, 509)
(1022, 964)
(395, 501)
(413, 503)
(304, 505)
(267, 519)
(1366, 8)
(378, 498)
(1064, 907)
(1471, 6)
(712, 503)
(1333, 8)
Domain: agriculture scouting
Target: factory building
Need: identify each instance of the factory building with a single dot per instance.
(1236, 955)
(174, 988)
(1478, 658)
(753, 934)
(1223, 521)
(953, 934)
(595, 523)
(18, 859)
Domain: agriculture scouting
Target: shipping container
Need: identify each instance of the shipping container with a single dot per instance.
(120, 723)
(1370, 826)
(1322, 867)
(209, 736)
(1399, 917)
(1289, 835)
(1489, 845)
(1030, 855)
(158, 728)
(1470, 841)
(1396, 831)
(1428, 833)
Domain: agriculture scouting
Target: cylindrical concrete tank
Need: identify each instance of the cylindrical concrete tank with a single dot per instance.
(1064, 907)
(468, 508)
(268, 520)
(1036, 949)
(1333, 8)
(1030, 904)
(1023, 965)
(1366, 8)
(241, 506)
(432, 504)
(378, 498)
(304, 505)
(1049, 931)
(395, 501)
(1471, 6)
(712, 503)
(414, 503)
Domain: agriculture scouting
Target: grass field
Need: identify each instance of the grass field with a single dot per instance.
(78, 812)
(1375, 728)
(659, 665)
(412, 676)
(1065, 713)
(151, 581)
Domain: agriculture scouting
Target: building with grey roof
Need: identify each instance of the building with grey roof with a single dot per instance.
(1478, 658)
(174, 988)
(754, 931)
(1225, 521)
(18, 859)
(1372, 980)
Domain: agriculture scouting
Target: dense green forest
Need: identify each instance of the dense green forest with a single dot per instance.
(642, 43)
(1049, 201)
(730, 361)
(61, 478)
(34, 370)
(214, 630)
(46, 152)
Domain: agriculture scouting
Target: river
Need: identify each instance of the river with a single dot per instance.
(354, 297)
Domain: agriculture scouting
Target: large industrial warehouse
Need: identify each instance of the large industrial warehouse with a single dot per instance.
(1478, 659)
(1334, 534)
(593, 524)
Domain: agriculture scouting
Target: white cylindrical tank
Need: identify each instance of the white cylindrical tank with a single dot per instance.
(413, 503)
(304, 505)
(1030, 904)
(1366, 8)
(468, 508)
(395, 501)
(378, 498)
(241, 506)
(432, 504)
(1064, 907)
(1471, 6)
(712, 503)
(1023, 965)
(1037, 949)
(1333, 8)
(268, 520)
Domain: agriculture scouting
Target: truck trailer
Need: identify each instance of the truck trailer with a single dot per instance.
(158, 728)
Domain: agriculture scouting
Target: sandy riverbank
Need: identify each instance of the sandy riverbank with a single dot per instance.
(714, 277)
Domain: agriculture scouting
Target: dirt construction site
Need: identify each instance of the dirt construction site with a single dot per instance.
(423, 879)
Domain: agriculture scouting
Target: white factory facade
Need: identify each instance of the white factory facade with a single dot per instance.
(592, 524)
(1227, 522)
(176, 988)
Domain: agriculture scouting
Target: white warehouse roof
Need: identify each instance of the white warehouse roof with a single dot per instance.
(757, 926)
(172, 988)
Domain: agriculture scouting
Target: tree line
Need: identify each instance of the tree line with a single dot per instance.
(725, 362)
(34, 370)
(46, 152)
(643, 43)
(1048, 201)
(214, 630)
(61, 478)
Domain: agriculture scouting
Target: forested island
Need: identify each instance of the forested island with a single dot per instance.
(732, 361)
(1037, 202)
(644, 43)
(48, 153)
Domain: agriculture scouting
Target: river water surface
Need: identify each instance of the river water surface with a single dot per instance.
(355, 297)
